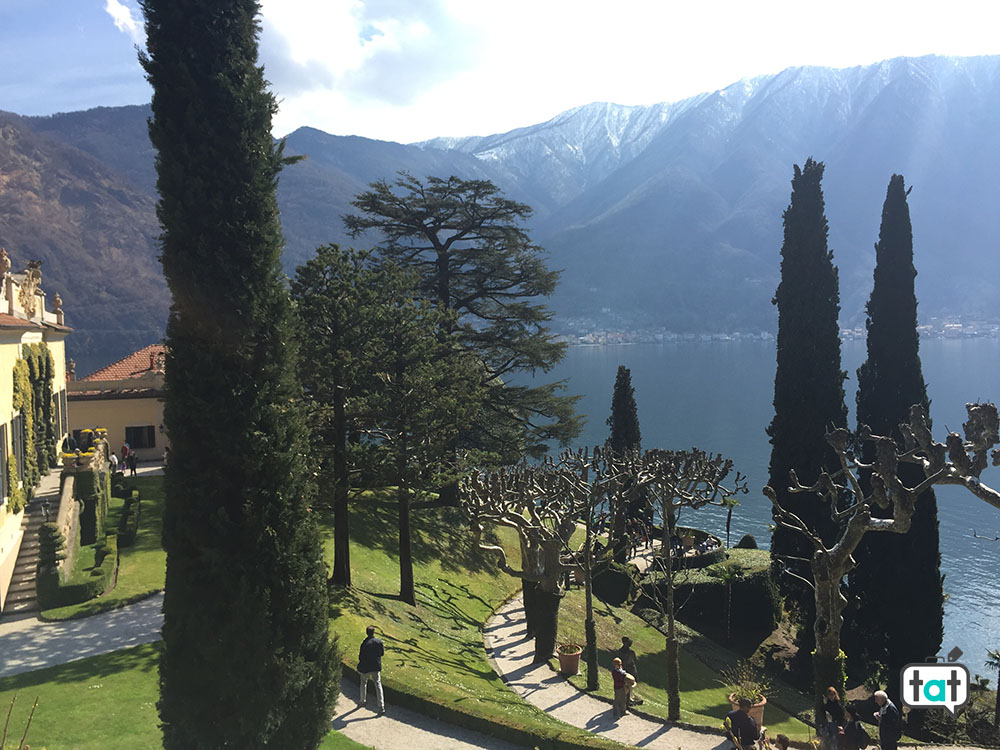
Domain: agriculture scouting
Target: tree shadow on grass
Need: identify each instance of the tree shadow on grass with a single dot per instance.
(438, 533)
(144, 658)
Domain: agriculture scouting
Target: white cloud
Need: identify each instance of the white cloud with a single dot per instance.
(124, 20)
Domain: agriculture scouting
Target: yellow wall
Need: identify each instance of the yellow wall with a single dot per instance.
(115, 414)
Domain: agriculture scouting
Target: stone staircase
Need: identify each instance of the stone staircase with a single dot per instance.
(21, 595)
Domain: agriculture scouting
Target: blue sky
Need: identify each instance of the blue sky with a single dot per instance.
(412, 69)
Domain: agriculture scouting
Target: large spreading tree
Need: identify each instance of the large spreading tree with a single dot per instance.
(247, 659)
(808, 382)
(903, 622)
(466, 243)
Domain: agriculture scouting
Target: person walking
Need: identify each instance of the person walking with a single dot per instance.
(890, 723)
(132, 461)
(620, 678)
(113, 459)
(834, 716)
(370, 668)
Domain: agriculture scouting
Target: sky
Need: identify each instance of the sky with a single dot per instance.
(409, 70)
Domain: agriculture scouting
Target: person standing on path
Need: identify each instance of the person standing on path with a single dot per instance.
(370, 668)
(132, 460)
(890, 723)
(628, 657)
(620, 678)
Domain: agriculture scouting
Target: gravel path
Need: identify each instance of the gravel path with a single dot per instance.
(550, 691)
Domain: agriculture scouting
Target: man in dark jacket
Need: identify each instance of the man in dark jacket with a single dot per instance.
(370, 667)
(741, 727)
(890, 723)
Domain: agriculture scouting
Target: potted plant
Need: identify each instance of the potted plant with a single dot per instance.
(569, 658)
(744, 681)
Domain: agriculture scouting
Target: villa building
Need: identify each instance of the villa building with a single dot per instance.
(25, 319)
(125, 398)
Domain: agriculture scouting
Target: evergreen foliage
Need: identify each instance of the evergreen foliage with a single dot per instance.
(903, 622)
(247, 658)
(337, 295)
(808, 382)
(465, 242)
(425, 389)
(624, 419)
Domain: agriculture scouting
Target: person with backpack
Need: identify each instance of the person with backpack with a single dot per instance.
(855, 737)
(890, 723)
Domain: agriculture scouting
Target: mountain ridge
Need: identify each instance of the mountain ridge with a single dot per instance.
(663, 216)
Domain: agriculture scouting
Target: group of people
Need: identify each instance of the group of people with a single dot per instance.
(128, 460)
(623, 675)
(842, 731)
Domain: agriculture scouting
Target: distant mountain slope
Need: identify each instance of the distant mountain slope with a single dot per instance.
(661, 216)
(93, 232)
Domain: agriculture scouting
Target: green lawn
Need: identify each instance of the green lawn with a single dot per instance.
(105, 702)
(435, 649)
(141, 567)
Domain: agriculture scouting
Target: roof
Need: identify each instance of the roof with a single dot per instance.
(12, 321)
(142, 363)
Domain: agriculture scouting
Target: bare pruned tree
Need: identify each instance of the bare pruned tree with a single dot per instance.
(957, 461)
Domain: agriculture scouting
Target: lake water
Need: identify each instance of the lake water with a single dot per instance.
(719, 396)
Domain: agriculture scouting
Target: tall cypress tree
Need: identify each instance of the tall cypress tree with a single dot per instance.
(808, 382)
(624, 419)
(247, 658)
(896, 587)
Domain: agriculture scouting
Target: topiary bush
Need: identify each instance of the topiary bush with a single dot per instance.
(53, 593)
(129, 525)
(615, 583)
(747, 542)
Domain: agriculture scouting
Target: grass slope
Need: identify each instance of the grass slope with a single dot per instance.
(435, 650)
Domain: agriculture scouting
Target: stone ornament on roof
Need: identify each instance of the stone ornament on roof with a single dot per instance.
(32, 280)
(57, 303)
(4, 262)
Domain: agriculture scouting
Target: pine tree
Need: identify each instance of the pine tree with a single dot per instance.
(465, 242)
(624, 419)
(247, 658)
(337, 296)
(808, 382)
(896, 587)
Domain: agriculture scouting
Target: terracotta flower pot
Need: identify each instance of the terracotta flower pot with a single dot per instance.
(756, 710)
(569, 661)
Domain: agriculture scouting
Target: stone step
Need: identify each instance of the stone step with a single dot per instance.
(23, 575)
(15, 599)
(16, 608)
(17, 589)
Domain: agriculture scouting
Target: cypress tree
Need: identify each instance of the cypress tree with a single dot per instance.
(896, 586)
(808, 382)
(247, 658)
(624, 419)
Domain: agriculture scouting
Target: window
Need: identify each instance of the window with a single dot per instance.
(141, 437)
(17, 437)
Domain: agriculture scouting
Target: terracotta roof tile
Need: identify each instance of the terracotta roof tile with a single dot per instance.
(134, 365)
(11, 321)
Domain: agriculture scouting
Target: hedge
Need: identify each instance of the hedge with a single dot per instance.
(95, 492)
(129, 525)
(53, 593)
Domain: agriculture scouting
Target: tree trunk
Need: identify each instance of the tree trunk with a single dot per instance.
(528, 589)
(341, 489)
(406, 588)
(547, 625)
(996, 711)
(590, 627)
(828, 657)
(673, 662)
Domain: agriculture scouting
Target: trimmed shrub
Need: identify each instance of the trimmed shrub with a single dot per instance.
(129, 526)
(747, 542)
(51, 545)
(615, 583)
(52, 593)
(95, 492)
